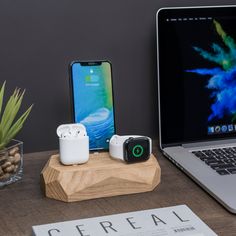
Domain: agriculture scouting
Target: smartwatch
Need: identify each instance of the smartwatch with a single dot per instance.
(130, 148)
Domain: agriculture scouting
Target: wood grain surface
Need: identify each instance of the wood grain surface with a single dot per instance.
(101, 176)
(23, 204)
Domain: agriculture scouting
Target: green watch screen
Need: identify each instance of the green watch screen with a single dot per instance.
(137, 149)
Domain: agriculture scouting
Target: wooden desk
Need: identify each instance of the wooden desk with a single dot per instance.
(23, 204)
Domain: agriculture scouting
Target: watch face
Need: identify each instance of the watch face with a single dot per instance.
(136, 149)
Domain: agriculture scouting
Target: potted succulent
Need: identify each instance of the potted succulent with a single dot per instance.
(11, 150)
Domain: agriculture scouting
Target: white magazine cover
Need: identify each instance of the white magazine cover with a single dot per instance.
(169, 221)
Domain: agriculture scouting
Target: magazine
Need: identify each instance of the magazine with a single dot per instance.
(169, 221)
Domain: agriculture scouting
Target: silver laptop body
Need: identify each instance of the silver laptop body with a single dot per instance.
(192, 44)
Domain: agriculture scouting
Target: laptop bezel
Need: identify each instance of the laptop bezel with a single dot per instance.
(190, 143)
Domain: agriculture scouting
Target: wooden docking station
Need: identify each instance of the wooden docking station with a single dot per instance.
(100, 177)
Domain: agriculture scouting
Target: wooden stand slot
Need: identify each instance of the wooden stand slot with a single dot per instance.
(100, 177)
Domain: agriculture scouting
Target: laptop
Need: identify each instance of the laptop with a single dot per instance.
(196, 48)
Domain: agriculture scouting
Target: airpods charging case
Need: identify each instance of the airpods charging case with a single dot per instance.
(74, 150)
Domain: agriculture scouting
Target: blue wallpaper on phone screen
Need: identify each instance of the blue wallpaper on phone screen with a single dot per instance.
(93, 104)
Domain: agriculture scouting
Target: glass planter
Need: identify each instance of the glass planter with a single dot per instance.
(11, 163)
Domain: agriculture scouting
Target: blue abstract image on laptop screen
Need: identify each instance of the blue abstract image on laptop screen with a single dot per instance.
(220, 79)
(197, 68)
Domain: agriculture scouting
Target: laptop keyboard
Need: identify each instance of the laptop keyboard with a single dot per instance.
(222, 160)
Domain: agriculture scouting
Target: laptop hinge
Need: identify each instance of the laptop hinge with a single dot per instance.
(210, 143)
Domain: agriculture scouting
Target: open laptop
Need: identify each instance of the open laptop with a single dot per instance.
(196, 49)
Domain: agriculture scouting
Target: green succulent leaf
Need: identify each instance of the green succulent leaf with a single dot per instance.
(18, 125)
(9, 128)
(14, 110)
(1, 95)
(8, 109)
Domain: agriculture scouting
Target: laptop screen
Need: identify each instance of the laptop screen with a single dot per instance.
(197, 73)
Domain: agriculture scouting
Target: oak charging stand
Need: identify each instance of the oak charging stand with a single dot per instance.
(100, 177)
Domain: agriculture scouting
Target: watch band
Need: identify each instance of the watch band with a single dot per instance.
(116, 145)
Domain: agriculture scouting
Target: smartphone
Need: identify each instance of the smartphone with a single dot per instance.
(92, 100)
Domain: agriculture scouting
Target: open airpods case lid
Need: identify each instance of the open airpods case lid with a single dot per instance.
(71, 130)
